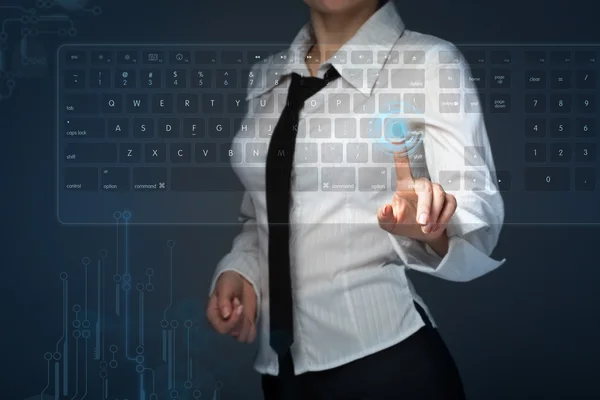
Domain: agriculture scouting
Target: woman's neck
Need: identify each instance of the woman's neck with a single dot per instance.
(332, 30)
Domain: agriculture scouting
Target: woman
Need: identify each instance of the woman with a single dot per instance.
(359, 329)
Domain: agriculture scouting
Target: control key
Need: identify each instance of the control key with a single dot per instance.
(80, 179)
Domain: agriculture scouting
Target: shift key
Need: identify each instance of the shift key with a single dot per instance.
(91, 152)
(81, 103)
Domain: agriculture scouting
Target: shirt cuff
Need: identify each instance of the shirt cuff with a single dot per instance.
(247, 268)
(463, 261)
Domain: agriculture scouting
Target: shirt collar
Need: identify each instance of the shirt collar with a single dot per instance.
(379, 34)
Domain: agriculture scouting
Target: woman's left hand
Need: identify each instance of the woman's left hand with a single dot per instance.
(419, 209)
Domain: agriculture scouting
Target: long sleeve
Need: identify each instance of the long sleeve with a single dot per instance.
(459, 157)
(243, 256)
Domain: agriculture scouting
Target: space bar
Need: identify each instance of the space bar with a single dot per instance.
(204, 179)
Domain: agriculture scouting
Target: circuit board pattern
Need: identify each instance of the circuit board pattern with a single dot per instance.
(23, 28)
(104, 333)
(104, 330)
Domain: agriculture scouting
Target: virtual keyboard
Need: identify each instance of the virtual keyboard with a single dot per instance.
(149, 128)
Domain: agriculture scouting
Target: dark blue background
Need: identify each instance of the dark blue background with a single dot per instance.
(526, 331)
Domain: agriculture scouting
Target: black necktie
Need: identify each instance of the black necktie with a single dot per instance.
(278, 183)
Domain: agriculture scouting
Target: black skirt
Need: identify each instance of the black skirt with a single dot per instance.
(418, 368)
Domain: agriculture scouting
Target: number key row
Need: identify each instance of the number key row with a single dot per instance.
(561, 127)
(560, 103)
(560, 152)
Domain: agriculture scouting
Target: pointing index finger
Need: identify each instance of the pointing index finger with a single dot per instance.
(404, 177)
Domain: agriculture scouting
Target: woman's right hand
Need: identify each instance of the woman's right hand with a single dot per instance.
(232, 307)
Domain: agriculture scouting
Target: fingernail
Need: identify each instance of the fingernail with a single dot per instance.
(423, 218)
(226, 312)
(239, 310)
(384, 211)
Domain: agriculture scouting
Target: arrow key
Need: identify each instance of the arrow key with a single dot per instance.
(475, 180)
(503, 181)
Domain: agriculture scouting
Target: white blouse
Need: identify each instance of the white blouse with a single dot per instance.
(351, 294)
